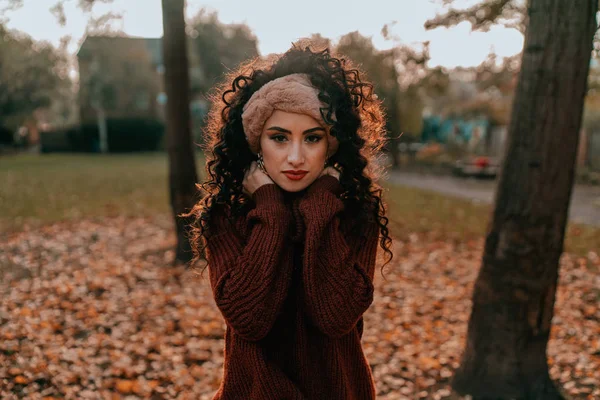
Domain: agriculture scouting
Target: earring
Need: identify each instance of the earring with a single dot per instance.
(335, 166)
(329, 164)
(261, 163)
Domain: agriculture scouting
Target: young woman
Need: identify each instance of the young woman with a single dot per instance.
(290, 226)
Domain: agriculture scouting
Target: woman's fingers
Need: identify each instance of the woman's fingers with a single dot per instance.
(250, 170)
(247, 178)
(331, 171)
(254, 178)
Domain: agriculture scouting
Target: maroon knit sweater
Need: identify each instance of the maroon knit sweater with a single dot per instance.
(292, 287)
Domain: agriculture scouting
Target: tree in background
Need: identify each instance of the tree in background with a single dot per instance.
(486, 13)
(591, 118)
(219, 47)
(495, 81)
(486, 89)
(115, 73)
(34, 77)
(513, 300)
(182, 167)
(29, 77)
(483, 15)
(102, 24)
(401, 79)
(380, 69)
(316, 41)
(496, 84)
(182, 164)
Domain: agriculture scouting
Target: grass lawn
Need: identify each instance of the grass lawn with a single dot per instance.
(44, 188)
(38, 189)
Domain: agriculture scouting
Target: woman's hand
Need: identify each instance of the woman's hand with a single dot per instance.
(331, 171)
(254, 178)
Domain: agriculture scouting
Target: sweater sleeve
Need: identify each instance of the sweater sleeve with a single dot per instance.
(338, 272)
(248, 278)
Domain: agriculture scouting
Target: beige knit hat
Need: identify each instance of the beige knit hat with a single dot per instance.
(291, 93)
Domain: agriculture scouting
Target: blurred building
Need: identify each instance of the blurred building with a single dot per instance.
(122, 77)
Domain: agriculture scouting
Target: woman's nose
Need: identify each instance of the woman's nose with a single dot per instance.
(295, 155)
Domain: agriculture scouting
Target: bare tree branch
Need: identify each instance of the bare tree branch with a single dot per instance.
(58, 10)
(509, 13)
(87, 5)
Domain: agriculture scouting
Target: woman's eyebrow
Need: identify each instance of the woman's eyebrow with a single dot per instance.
(276, 128)
(311, 130)
(315, 129)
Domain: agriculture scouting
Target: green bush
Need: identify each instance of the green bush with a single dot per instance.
(6, 136)
(55, 141)
(124, 135)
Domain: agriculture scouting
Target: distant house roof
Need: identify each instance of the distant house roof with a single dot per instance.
(153, 45)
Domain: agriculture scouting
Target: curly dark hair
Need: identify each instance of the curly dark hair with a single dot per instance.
(359, 126)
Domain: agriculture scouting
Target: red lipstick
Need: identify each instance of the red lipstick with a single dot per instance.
(295, 175)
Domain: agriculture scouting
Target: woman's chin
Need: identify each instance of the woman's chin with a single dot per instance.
(293, 186)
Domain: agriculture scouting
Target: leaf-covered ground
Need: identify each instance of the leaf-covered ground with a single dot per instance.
(93, 310)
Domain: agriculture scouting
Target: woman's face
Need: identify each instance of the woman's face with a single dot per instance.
(294, 148)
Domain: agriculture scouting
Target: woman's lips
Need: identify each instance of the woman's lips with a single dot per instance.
(295, 176)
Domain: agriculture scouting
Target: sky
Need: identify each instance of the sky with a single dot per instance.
(278, 23)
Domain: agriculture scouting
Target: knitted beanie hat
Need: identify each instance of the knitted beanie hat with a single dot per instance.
(291, 93)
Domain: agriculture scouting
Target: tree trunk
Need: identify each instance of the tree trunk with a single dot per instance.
(513, 300)
(102, 130)
(182, 165)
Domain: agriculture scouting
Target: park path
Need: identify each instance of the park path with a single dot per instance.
(585, 203)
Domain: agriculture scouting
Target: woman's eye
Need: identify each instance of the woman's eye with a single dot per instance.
(313, 138)
(278, 138)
